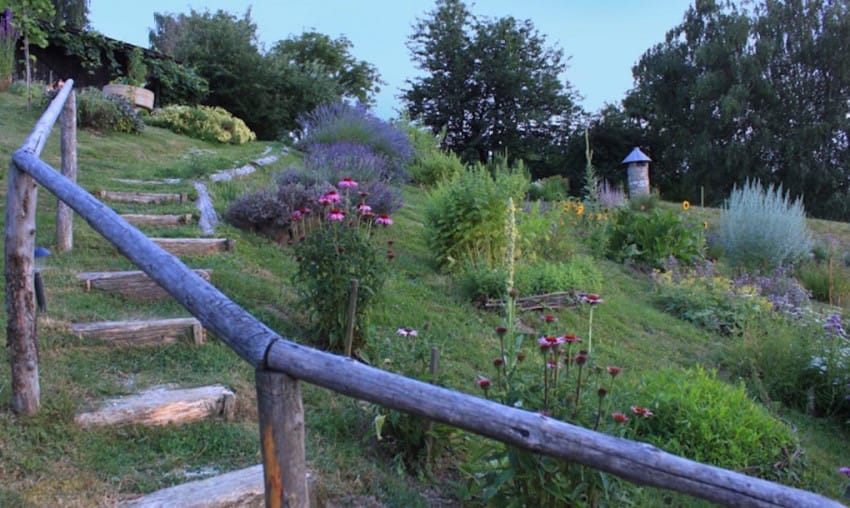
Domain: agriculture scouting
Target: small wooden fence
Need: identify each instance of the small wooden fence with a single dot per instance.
(281, 365)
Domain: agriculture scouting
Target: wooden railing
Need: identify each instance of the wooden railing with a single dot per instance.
(281, 365)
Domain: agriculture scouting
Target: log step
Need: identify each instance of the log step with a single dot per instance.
(163, 406)
(237, 489)
(194, 246)
(157, 220)
(142, 197)
(242, 488)
(142, 333)
(134, 284)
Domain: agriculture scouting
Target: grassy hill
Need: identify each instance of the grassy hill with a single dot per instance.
(48, 460)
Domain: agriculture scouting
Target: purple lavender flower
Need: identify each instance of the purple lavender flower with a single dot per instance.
(8, 32)
(833, 326)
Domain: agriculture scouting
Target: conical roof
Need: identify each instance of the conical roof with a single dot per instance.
(636, 156)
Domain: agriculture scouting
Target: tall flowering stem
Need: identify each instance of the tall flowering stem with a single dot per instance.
(592, 300)
(580, 359)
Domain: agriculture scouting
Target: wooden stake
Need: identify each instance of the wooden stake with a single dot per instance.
(352, 316)
(281, 415)
(64, 214)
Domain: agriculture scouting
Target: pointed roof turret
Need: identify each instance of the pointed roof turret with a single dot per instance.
(636, 156)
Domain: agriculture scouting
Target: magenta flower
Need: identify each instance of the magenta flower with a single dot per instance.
(329, 198)
(364, 209)
(347, 183)
(296, 215)
(406, 332)
(591, 299)
(642, 411)
(484, 382)
(336, 214)
(384, 220)
(844, 470)
(570, 338)
(501, 330)
(498, 362)
(613, 370)
(580, 358)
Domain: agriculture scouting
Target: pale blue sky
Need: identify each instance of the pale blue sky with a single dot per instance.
(605, 38)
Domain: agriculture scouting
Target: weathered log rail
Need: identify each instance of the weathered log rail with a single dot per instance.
(281, 364)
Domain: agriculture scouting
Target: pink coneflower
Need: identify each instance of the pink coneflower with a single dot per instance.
(347, 183)
(602, 392)
(571, 338)
(296, 215)
(363, 209)
(580, 358)
(613, 370)
(641, 411)
(620, 417)
(329, 198)
(501, 330)
(498, 362)
(336, 214)
(484, 382)
(406, 332)
(304, 210)
(384, 220)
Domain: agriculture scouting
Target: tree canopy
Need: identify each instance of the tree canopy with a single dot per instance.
(734, 94)
(492, 84)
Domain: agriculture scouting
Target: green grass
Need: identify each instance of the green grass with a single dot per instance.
(47, 457)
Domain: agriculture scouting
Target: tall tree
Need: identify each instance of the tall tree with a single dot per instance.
(26, 17)
(71, 13)
(493, 85)
(733, 94)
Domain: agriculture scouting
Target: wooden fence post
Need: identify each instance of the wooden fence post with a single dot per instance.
(21, 335)
(64, 214)
(281, 415)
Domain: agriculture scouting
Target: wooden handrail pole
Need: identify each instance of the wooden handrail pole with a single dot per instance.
(64, 214)
(21, 334)
(281, 415)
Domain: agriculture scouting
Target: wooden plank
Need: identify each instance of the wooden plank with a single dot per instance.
(162, 406)
(141, 333)
(142, 197)
(157, 220)
(194, 246)
(131, 284)
(281, 415)
(237, 489)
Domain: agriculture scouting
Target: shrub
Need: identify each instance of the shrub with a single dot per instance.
(212, 124)
(333, 161)
(103, 112)
(329, 257)
(176, 84)
(551, 188)
(610, 197)
(439, 166)
(651, 238)
(465, 215)
(644, 202)
(260, 212)
(706, 299)
(704, 419)
(781, 289)
(340, 122)
(544, 233)
(580, 272)
(763, 228)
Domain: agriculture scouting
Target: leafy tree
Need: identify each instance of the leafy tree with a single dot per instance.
(27, 15)
(733, 94)
(493, 85)
(268, 91)
(71, 13)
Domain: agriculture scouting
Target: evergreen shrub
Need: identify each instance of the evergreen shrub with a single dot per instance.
(206, 123)
(762, 228)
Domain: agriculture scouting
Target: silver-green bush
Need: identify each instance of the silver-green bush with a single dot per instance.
(762, 227)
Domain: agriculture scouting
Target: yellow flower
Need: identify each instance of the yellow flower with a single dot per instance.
(579, 209)
(686, 204)
(705, 224)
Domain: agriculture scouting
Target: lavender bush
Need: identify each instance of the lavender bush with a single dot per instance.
(344, 123)
(332, 161)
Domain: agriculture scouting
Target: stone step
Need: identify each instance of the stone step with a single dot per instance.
(142, 333)
(163, 405)
(131, 284)
(195, 246)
